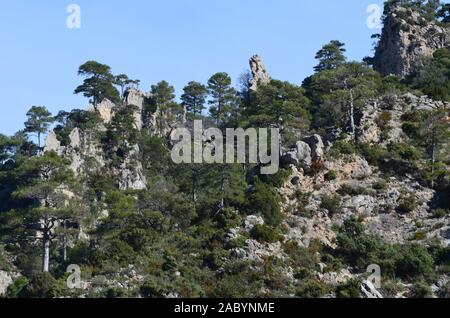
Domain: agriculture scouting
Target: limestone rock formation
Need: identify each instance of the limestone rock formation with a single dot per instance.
(406, 36)
(259, 73)
(52, 143)
(300, 156)
(5, 281)
(106, 110)
(317, 146)
(393, 107)
(136, 98)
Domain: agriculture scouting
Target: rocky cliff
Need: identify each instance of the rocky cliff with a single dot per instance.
(406, 36)
(86, 153)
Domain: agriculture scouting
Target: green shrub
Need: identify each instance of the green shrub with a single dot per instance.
(383, 120)
(373, 154)
(352, 190)
(152, 289)
(351, 289)
(342, 148)
(113, 293)
(265, 234)
(266, 201)
(330, 175)
(380, 185)
(16, 287)
(414, 260)
(411, 130)
(332, 204)
(444, 292)
(421, 290)
(404, 151)
(407, 204)
(440, 213)
(418, 236)
(278, 179)
(312, 288)
(42, 285)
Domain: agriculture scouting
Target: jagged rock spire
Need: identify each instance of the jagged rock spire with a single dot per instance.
(259, 72)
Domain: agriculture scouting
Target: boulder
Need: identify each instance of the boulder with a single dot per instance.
(251, 221)
(300, 156)
(317, 147)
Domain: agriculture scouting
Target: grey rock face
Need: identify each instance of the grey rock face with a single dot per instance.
(369, 291)
(368, 131)
(317, 147)
(5, 281)
(259, 72)
(406, 36)
(300, 156)
(105, 109)
(304, 153)
(136, 98)
(252, 220)
(52, 143)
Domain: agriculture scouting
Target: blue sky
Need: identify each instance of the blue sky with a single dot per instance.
(152, 40)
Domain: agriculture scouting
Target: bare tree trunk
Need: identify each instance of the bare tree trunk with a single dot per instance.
(46, 251)
(433, 161)
(222, 191)
(194, 185)
(65, 242)
(352, 114)
(39, 141)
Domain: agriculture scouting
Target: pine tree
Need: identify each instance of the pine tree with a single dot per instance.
(223, 98)
(339, 92)
(124, 83)
(43, 182)
(330, 56)
(280, 105)
(38, 122)
(163, 95)
(194, 98)
(434, 132)
(99, 83)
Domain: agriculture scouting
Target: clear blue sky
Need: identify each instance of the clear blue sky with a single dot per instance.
(152, 40)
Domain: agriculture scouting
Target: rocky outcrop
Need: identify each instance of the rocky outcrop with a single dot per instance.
(317, 147)
(5, 281)
(310, 149)
(406, 36)
(105, 109)
(86, 153)
(136, 98)
(52, 143)
(368, 290)
(390, 108)
(299, 156)
(259, 73)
